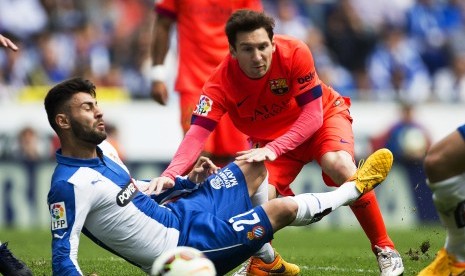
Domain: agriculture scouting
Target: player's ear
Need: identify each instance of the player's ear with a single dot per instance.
(273, 45)
(232, 51)
(62, 121)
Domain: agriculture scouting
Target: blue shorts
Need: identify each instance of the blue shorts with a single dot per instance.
(219, 220)
(461, 130)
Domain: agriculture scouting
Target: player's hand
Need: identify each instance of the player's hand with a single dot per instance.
(202, 169)
(159, 92)
(256, 155)
(5, 42)
(158, 184)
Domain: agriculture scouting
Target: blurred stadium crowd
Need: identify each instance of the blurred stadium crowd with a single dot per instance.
(412, 50)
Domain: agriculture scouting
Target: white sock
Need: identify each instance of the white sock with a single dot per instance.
(314, 206)
(261, 195)
(449, 199)
(266, 253)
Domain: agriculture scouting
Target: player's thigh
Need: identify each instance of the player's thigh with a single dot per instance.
(229, 242)
(282, 172)
(335, 136)
(223, 194)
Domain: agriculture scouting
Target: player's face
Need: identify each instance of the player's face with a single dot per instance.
(86, 119)
(253, 52)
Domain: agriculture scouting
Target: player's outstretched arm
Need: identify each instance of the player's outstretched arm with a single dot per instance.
(7, 43)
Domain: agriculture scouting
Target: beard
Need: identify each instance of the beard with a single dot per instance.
(90, 135)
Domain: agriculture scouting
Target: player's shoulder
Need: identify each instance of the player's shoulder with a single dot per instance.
(288, 43)
(110, 151)
(288, 47)
(107, 148)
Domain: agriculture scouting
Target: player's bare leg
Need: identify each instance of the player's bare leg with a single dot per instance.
(339, 166)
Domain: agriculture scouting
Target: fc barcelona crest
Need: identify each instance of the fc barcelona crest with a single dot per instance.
(279, 86)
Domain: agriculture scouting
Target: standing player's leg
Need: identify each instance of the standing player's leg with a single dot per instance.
(445, 170)
(336, 158)
(308, 208)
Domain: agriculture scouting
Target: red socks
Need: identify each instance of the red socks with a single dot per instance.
(369, 216)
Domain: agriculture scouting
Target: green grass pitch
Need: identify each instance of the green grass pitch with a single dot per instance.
(316, 251)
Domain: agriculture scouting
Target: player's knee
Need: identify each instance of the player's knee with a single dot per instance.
(338, 165)
(253, 171)
(281, 211)
(288, 209)
(340, 171)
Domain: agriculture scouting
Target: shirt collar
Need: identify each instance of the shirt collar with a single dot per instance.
(77, 162)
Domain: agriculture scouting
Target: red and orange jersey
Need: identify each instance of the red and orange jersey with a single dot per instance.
(266, 108)
(201, 34)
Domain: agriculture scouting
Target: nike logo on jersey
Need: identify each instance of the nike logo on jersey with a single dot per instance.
(55, 235)
(343, 141)
(241, 102)
(93, 182)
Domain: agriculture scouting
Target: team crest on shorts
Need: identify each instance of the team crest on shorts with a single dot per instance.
(279, 86)
(58, 213)
(204, 106)
(224, 178)
(257, 233)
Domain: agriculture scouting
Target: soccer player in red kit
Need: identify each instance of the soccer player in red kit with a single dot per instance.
(202, 46)
(269, 87)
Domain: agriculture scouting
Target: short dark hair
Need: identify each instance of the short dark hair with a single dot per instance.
(244, 20)
(63, 92)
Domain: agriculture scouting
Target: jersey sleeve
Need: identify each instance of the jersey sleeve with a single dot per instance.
(211, 105)
(67, 220)
(182, 186)
(309, 121)
(304, 75)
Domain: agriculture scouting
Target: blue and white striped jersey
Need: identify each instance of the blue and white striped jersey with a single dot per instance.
(82, 199)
